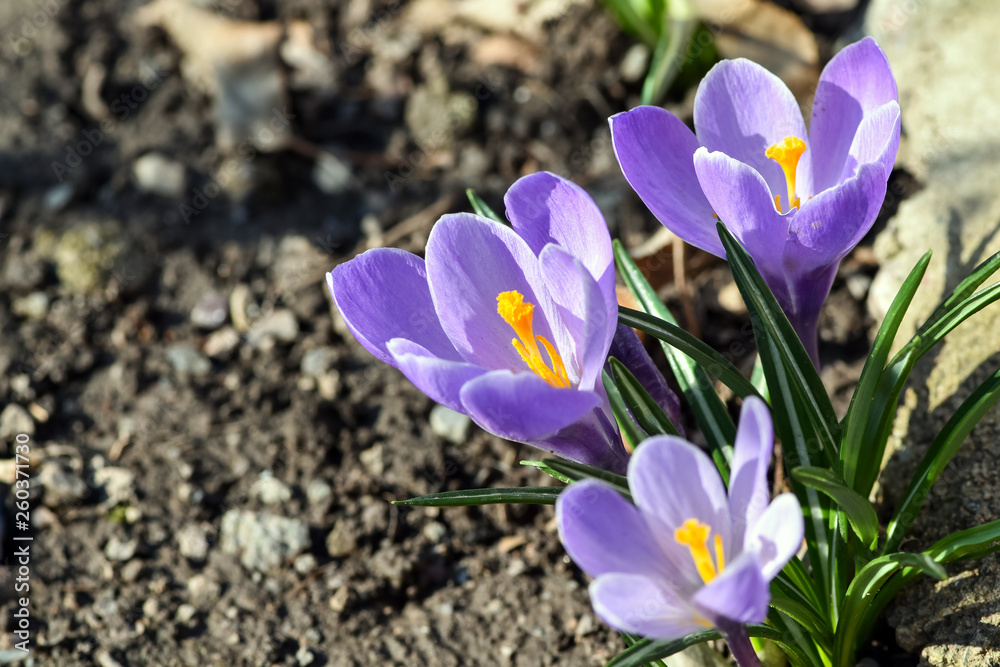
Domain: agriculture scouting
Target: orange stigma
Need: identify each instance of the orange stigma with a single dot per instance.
(694, 535)
(787, 153)
(518, 314)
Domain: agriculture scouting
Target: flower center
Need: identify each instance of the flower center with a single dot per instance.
(694, 535)
(787, 153)
(518, 314)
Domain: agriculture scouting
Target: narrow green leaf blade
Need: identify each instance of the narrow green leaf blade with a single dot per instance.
(964, 290)
(544, 467)
(647, 650)
(481, 207)
(630, 431)
(520, 495)
(646, 411)
(859, 511)
(967, 544)
(853, 446)
(577, 471)
(710, 360)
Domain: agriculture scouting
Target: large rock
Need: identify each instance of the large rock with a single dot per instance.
(951, 117)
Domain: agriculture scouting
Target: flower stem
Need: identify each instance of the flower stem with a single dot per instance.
(739, 644)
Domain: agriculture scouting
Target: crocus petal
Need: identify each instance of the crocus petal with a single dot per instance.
(544, 208)
(855, 82)
(742, 200)
(604, 533)
(440, 379)
(672, 481)
(748, 490)
(739, 594)
(877, 140)
(628, 349)
(523, 407)
(382, 294)
(470, 260)
(584, 313)
(654, 150)
(644, 606)
(592, 439)
(777, 535)
(741, 109)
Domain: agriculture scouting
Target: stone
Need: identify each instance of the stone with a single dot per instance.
(86, 255)
(63, 487)
(263, 541)
(187, 360)
(192, 542)
(436, 115)
(331, 174)
(271, 491)
(341, 541)
(15, 420)
(58, 197)
(934, 49)
(221, 342)
(317, 361)
(280, 326)
(35, 306)
(159, 175)
(211, 311)
(318, 491)
(204, 590)
(117, 484)
(119, 550)
(635, 63)
(450, 425)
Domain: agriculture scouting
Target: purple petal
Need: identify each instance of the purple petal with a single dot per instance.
(777, 535)
(593, 440)
(739, 594)
(748, 490)
(523, 407)
(584, 313)
(544, 208)
(672, 481)
(877, 140)
(628, 349)
(855, 82)
(470, 260)
(382, 294)
(742, 200)
(654, 149)
(440, 379)
(741, 109)
(643, 606)
(604, 533)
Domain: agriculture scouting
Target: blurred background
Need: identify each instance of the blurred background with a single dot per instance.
(212, 455)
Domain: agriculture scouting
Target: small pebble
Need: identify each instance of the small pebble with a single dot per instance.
(450, 425)
(57, 198)
(211, 311)
(117, 550)
(186, 360)
(15, 420)
(193, 543)
(271, 491)
(35, 306)
(158, 174)
(318, 491)
(305, 563)
(341, 540)
(185, 613)
(317, 361)
(222, 342)
(279, 325)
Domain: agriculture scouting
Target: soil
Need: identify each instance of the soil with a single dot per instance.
(146, 430)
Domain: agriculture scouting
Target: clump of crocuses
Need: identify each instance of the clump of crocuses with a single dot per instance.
(798, 201)
(509, 325)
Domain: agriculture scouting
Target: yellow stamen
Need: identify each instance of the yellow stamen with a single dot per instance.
(694, 535)
(518, 314)
(787, 153)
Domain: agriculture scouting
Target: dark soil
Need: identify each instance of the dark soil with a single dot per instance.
(142, 441)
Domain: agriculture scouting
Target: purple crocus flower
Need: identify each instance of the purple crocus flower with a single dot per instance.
(510, 326)
(797, 201)
(687, 555)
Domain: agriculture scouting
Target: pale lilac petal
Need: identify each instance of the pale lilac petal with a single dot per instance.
(655, 149)
(440, 379)
(877, 140)
(584, 312)
(741, 109)
(777, 535)
(743, 202)
(382, 294)
(470, 260)
(855, 82)
(644, 606)
(523, 407)
(748, 488)
(604, 533)
(740, 593)
(628, 349)
(544, 208)
(593, 439)
(672, 481)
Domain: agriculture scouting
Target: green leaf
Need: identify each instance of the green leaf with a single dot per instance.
(577, 471)
(481, 207)
(709, 410)
(853, 447)
(675, 37)
(967, 544)
(644, 26)
(633, 434)
(804, 616)
(859, 511)
(647, 650)
(964, 290)
(711, 361)
(646, 411)
(544, 467)
(767, 317)
(942, 450)
(520, 495)
(935, 333)
(861, 595)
